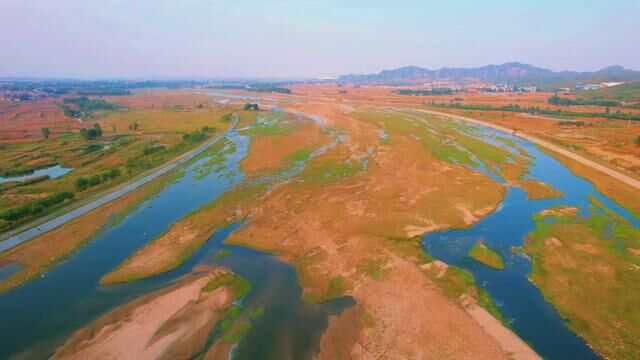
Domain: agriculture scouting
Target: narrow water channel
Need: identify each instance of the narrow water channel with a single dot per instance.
(40, 315)
(521, 303)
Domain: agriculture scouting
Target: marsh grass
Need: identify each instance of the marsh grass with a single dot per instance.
(486, 256)
(585, 267)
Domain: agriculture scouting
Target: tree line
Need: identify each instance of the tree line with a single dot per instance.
(36, 207)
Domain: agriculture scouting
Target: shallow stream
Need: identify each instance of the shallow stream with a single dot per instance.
(521, 303)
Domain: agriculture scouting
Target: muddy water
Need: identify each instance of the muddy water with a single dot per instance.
(40, 315)
(522, 304)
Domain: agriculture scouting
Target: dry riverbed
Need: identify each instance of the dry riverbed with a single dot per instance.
(348, 224)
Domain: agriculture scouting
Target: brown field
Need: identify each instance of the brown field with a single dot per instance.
(162, 116)
(21, 122)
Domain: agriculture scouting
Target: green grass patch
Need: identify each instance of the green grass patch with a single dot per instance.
(221, 254)
(587, 268)
(238, 285)
(457, 282)
(256, 313)
(299, 156)
(486, 256)
(336, 289)
(328, 172)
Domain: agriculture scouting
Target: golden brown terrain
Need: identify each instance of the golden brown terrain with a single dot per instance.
(349, 224)
(342, 185)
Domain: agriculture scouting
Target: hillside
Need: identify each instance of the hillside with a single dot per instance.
(512, 73)
(625, 92)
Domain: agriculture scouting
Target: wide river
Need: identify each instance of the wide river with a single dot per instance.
(40, 315)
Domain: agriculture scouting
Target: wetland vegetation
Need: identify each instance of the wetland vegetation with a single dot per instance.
(483, 254)
(341, 205)
(105, 154)
(587, 264)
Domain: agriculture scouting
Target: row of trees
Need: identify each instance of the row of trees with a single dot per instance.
(560, 101)
(83, 183)
(537, 110)
(36, 207)
(198, 135)
(428, 92)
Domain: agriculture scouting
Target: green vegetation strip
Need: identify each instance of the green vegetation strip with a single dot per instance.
(238, 285)
(536, 110)
(485, 255)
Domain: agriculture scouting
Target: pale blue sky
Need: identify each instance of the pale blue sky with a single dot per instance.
(307, 38)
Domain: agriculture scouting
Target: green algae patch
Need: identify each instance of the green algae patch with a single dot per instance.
(221, 254)
(327, 172)
(238, 285)
(486, 256)
(299, 156)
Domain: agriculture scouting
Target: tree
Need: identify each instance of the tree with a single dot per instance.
(98, 130)
(82, 183)
(45, 133)
(84, 134)
(90, 134)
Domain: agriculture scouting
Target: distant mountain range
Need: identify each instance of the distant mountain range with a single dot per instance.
(512, 73)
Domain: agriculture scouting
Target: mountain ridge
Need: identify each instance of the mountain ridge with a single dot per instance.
(510, 72)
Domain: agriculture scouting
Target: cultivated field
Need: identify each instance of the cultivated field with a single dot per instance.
(142, 132)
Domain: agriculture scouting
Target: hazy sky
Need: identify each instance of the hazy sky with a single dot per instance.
(307, 38)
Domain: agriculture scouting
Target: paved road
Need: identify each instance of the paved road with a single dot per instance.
(615, 174)
(63, 219)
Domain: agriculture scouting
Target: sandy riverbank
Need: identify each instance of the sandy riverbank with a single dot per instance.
(174, 322)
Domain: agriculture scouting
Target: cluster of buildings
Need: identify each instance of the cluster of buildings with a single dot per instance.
(10, 93)
(597, 86)
(508, 88)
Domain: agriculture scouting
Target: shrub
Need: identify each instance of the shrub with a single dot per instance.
(152, 148)
(83, 183)
(226, 117)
